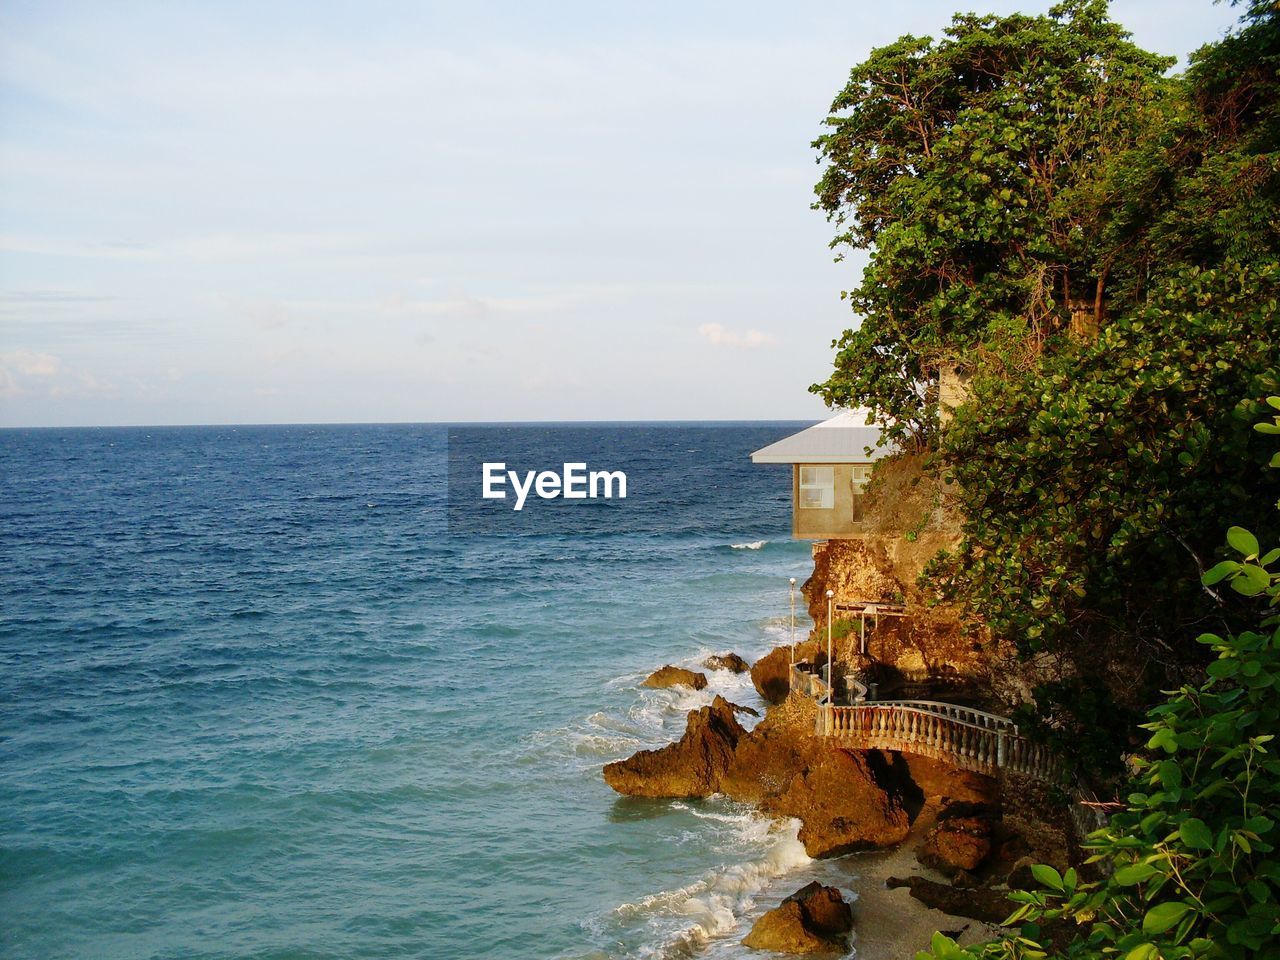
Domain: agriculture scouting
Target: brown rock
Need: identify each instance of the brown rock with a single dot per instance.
(841, 804)
(825, 909)
(989, 906)
(944, 783)
(691, 767)
(814, 919)
(768, 758)
(670, 676)
(771, 675)
(727, 661)
(961, 839)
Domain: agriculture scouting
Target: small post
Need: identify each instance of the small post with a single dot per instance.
(793, 625)
(1000, 749)
(831, 673)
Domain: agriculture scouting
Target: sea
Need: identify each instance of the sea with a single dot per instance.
(287, 692)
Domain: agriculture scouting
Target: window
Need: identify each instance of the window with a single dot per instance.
(817, 488)
(861, 477)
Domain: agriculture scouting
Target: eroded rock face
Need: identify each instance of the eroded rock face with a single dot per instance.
(945, 784)
(771, 675)
(769, 757)
(691, 767)
(670, 676)
(727, 661)
(985, 904)
(814, 919)
(843, 805)
(961, 839)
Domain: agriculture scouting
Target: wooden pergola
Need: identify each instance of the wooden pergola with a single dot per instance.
(875, 609)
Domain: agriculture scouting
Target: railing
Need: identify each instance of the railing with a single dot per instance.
(967, 738)
(807, 683)
(955, 711)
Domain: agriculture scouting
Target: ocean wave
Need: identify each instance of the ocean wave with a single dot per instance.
(684, 920)
(753, 545)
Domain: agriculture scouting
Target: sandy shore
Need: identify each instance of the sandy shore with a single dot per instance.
(891, 924)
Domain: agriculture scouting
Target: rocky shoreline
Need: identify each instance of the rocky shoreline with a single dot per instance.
(928, 846)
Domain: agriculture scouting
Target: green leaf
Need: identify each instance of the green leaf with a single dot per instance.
(1134, 873)
(1242, 540)
(1251, 580)
(1047, 876)
(1170, 774)
(1163, 916)
(1195, 834)
(1222, 669)
(1219, 572)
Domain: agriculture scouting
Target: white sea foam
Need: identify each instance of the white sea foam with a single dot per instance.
(753, 545)
(686, 919)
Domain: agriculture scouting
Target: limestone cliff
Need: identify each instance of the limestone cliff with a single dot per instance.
(907, 524)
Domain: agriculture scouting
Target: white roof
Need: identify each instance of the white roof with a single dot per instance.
(842, 439)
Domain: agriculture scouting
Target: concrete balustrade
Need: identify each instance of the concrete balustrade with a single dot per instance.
(968, 738)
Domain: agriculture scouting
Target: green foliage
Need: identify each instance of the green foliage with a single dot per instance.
(1016, 173)
(1193, 858)
(1192, 866)
(1085, 746)
(1081, 499)
(842, 627)
(968, 164)
(1018, 167)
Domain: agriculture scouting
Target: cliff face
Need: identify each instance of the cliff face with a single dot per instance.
(907, 524)
(927, 642)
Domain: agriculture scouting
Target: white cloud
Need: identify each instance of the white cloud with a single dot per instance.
(30, 363)
(722, 336)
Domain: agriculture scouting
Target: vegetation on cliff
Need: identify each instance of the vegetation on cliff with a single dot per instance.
(1094, 243)
(1192, 869)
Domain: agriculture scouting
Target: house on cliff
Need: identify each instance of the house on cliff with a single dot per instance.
(830, 468)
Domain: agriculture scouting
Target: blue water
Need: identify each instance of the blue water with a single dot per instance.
(258, 699)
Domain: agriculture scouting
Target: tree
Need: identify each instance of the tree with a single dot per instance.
(971, 166)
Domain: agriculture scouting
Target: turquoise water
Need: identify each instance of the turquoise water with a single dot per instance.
(258, 699)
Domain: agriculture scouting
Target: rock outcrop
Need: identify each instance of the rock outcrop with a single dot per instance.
(768, 758)
(691, 767)
(942, 783)
(814, 919)
(845, 800)
(771, 675)
(961, 839)
(843, 804)
(670, 676)
(985, 904)
(726, 661)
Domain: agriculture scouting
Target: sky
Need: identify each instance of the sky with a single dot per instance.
(317, 212)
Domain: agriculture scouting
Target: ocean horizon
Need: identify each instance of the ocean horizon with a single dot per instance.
(261, 699)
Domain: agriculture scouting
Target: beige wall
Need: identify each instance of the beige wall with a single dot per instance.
(817, 524)
(953, 390)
